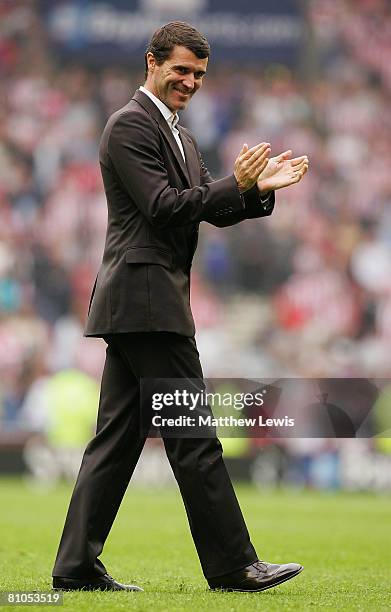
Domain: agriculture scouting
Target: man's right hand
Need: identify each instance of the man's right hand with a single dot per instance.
(249, 164)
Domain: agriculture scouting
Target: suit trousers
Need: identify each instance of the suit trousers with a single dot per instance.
(216, 522)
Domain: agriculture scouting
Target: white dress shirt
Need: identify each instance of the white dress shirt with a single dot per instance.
(171, 118)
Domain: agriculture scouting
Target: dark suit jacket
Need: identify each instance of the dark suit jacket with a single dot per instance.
(155, 204)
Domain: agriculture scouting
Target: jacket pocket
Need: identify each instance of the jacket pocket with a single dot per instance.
(148, 255)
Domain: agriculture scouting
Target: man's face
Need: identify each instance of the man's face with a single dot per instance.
(177, 79)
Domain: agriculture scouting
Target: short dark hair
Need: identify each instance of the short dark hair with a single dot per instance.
(176, 33)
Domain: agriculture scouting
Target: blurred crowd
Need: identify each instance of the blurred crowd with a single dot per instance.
(304, 293)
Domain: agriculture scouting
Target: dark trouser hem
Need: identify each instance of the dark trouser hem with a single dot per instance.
(58, 573)
(233, 568)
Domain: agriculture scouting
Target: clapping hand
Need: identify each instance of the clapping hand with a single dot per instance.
(249, 165)
(281, 171)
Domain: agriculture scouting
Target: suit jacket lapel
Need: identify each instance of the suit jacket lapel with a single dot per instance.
(153, 110)
(192, 161)
(165, 128)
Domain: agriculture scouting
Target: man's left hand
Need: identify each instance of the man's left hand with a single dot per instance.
(281, 171)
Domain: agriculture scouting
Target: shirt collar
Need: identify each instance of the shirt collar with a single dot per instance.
(171, 118)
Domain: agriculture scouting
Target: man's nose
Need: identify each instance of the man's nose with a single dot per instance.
(188, 82)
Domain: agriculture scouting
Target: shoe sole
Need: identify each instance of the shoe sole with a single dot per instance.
(82, 589)
(269, 586)
(86, 589)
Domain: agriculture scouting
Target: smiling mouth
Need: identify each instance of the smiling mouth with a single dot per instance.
(183, 93)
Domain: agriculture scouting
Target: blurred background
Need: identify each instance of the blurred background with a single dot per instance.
(305, 293)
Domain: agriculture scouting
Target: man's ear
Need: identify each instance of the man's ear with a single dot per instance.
(151, 61)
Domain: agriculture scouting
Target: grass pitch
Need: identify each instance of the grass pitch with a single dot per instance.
(343, 540)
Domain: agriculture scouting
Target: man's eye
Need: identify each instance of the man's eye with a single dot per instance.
(199, 75)
(182, 70)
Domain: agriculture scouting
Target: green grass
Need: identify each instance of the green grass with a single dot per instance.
(343, 540)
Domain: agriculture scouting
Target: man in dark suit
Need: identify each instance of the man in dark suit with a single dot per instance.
(158, 191)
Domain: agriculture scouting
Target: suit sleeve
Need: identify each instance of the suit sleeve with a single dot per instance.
(133, 148)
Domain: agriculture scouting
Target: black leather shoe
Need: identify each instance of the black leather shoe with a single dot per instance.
(101, 583)
(256, 577)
